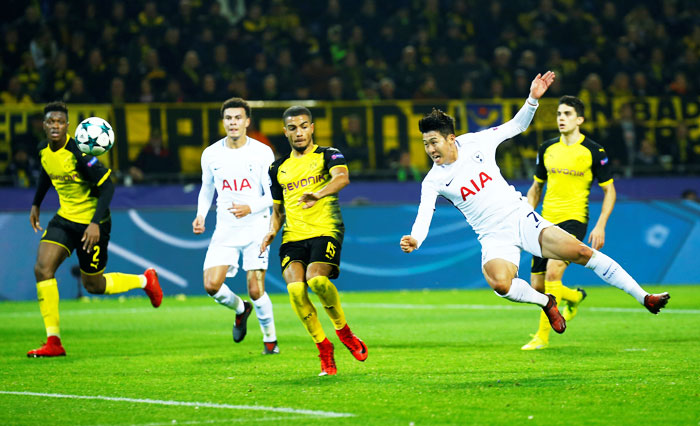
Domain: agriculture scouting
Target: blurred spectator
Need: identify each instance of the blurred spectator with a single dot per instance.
(61, 77)
(14, 94)
(29, 76)
(690, 195)
(154, 160)
(352, 142)
(96, 77)
(405, 171)
(146, 95)
(29, 140)
(23, 170)
(77, 93)
(117, 92)
(624, 136)
(646, 161)
(43, 48)
(190, 75)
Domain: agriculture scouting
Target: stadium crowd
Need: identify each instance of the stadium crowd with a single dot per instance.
(207, 50)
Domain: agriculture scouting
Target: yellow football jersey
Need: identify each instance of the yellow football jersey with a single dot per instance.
(76, 177)
(569, 171)
(291, 177)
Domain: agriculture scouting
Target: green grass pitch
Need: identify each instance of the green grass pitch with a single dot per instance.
(435, 357)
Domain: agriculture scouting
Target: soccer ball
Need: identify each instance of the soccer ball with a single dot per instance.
(94, 136)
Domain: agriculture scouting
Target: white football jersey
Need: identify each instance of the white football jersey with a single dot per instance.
(237, 175)
(473, 183)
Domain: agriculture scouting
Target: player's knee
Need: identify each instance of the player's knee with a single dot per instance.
(296, 291)
(319, 284)
(255, 293)
(583, 254)
(212, 286)
(94, 285)
(42, 271)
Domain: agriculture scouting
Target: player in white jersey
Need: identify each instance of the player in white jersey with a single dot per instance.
(236, 168)
(466, 174)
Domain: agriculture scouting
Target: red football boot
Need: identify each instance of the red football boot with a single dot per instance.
(357, 347)
(655, 302)
(556, 320)
(325, 350)
(52, 347)
(152, 288)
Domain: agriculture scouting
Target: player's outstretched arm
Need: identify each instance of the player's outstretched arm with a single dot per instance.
(540, 84)
(34, 219)
(408, 243)
(198, 225)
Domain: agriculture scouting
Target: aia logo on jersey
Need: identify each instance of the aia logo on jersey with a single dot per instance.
(477, 186)
(236, 187)
(478, 157)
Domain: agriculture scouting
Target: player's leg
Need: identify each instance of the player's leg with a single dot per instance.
(214, 285)
(570, 297)
(540, 339)
(294, 273)
(95, 281)
(255, 264)
(50, 255)
(501, 275)
(325, 261)
(558, 244)
(263, 310)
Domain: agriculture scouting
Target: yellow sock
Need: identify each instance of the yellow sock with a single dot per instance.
(305, 310)
(570, 294)
(47, 293)
(328, 293)
(553, 288)
(121, 283)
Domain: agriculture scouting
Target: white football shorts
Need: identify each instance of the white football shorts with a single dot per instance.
(227, 245)
(520, 230)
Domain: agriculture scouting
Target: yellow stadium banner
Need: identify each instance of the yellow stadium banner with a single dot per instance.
(374, 133)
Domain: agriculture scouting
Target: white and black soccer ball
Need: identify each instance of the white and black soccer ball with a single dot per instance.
(94, 136)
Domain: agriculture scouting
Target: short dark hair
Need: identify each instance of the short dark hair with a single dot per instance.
(235, 103)
(439, 121)
(573, 102)
(296, 110)
(56, 106)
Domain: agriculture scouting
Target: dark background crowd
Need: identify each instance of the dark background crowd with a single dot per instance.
(207, 50)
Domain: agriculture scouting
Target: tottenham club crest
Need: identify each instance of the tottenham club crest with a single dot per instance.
(478, 157)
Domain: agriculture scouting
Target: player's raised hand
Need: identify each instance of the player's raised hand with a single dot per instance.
(540, 84)
(90, 237)
(34, 219)
(198, 225)
(239, 210)
(408, 243)
(308, 199)
(267, 240)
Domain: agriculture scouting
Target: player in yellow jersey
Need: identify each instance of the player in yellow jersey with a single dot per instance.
(82, 223)
(305, 186)
(568, 164)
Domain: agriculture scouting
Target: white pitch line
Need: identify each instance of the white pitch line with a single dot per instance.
(318, 413)
(207, 422)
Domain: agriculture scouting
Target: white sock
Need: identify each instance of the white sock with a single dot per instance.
(144, 280)
(229, 299)
(521, 292)
(263, 310)
(612, 273)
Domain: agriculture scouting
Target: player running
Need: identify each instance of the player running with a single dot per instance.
(465, 173)
(305, 186)
(82, 223)
(568, 164)
(235, 167)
